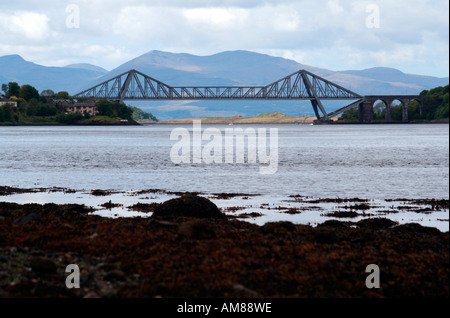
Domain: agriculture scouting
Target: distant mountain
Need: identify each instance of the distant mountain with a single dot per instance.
(230, 68)
(392, 75)
(250, 68)
(13, 68)
(226, 68)
(89, 67)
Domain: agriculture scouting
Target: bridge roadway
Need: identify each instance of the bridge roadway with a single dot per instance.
(301, 85)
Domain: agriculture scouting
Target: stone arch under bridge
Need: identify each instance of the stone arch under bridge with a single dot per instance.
(367, 106)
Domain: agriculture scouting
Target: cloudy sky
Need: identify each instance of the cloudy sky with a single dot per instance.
(411, 35)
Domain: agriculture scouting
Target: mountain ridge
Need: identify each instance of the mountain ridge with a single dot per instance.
(228, 68)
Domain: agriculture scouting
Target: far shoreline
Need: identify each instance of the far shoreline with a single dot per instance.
(286, 121)
(280, 118)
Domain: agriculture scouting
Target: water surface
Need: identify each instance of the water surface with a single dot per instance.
(375, 162)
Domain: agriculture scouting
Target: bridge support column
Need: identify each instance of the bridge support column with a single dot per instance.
(366, 112)
(405, 118)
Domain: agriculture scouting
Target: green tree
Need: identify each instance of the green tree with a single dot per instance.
(397, 112)
(414, 111)
(435, 103)
(28, 93)
(47, 93)
(105, 108)
(68, 118)
(12, 89)
(7, 113)
(114, 109)
(86, 115)
(351, 114)
(32, 108)
(45, 110)
(442, 112)
(379, 111)
(139, 114)
(62, 95)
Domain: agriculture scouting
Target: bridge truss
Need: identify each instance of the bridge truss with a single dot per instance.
(301, 85)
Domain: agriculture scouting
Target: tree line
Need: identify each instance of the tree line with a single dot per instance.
(32, 106)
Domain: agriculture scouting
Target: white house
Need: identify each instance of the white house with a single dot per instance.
(4, 101)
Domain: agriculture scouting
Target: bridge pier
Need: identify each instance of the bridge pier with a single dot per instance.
(366, 112)
(405, 118)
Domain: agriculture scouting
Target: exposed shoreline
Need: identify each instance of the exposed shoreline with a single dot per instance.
(253, 207)
(191, 257)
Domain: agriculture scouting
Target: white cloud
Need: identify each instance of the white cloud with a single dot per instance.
(335, 7)
(216, 19)
(286, 20)
(323, 33)
(22, 27)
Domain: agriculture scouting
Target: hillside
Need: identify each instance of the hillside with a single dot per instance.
(13, 68)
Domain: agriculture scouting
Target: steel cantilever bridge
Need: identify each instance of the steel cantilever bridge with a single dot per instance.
(301, 85)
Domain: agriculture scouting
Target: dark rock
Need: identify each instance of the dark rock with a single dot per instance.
(325, 236)
(27, 219)
(333, 223)
(189, 205)
(196, 229)
(377, 223)
(43, 265)
(274, 227)
(417, 228)
(69, 209)
(101, 193)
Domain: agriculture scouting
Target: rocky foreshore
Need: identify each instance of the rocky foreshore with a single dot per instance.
(188, 248)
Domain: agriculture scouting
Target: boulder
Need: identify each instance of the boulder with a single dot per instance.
(188, 205)
(376, 223)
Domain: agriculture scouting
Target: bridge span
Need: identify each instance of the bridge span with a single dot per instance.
(301, 85)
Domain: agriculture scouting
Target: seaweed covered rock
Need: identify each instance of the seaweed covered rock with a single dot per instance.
(189, 205)
(376, 223)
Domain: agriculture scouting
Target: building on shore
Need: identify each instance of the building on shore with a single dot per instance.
(4, 101)
(88, 106)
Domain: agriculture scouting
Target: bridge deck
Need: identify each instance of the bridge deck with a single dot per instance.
(301, 85)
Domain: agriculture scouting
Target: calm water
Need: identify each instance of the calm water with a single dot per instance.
(382, 161)
(376, 162)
